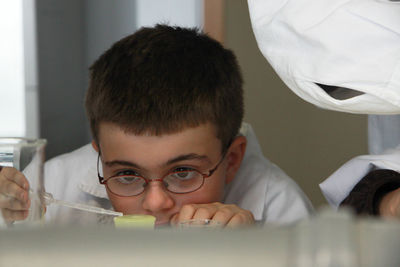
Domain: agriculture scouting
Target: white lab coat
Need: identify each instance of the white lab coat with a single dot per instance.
(349, 44)
(338, 186)
(259, 186)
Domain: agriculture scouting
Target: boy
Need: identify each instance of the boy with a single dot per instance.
(165, 106)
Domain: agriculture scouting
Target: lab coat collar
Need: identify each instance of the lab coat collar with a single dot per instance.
(89, 182)
(248, 188)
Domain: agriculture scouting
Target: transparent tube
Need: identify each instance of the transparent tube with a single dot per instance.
(49, 199)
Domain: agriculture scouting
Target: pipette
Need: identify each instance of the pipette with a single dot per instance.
(49, 199)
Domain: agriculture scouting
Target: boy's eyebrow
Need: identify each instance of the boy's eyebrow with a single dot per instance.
(169, 162)
(188, 157)
(121, 162)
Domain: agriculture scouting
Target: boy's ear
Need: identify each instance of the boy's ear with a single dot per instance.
(95, 146)
(235, 156)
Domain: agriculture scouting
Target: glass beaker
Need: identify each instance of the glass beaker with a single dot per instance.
(27, 156)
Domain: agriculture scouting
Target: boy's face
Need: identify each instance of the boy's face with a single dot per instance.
(153, 157)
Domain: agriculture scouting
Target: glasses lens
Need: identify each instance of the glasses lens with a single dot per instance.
(183, 182)
(126, 185)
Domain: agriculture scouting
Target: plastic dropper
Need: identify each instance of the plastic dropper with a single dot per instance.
(49, 199)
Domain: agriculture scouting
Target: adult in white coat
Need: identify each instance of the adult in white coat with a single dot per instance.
(341, 55)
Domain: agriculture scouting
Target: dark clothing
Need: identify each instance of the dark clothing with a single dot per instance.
(368, 192)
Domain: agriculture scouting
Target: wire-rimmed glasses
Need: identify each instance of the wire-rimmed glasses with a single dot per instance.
(178, 182)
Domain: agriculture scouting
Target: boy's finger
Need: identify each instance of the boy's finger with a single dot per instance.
(15, 176)
(186, 212)
(222, 217)
(13, 190)
(240, 219)
(174, 219)
(12, 215)
(11, 203)
(204, 212)
(235, 221)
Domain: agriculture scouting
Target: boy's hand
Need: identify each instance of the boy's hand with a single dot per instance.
(227, 214)
(390, 204)
(14, 195)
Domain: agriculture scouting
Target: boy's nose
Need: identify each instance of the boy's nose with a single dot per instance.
(157, 198)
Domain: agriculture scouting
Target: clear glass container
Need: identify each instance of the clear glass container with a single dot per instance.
(27, 156)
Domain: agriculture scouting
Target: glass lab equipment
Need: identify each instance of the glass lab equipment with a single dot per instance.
(49, 199)
(27, 156)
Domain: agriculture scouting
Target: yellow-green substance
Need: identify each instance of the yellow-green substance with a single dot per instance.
(135, 221)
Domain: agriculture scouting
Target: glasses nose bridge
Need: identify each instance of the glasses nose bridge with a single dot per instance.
(148, 181)
(153, 180)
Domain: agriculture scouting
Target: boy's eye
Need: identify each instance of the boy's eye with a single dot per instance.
(186, 174)
(184, 169)
(127, 172)
(128, 179)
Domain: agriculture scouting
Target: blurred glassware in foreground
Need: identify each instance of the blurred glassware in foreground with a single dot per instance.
(200, 223)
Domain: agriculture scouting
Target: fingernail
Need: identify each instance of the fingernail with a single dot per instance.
(22, 196)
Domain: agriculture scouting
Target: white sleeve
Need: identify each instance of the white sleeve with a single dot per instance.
(285, 202)
(338, 186)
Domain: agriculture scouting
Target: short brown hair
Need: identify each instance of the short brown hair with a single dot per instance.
(164, 79)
